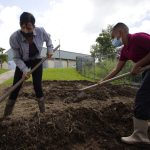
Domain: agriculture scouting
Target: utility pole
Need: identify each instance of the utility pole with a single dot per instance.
(60, 65)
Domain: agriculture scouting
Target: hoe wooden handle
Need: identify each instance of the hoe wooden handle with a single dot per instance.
(115, 78)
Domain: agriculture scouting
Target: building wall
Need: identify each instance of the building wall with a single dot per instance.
(68, 59)
(56, 63)
(71, 63)
(64, 63)
(50, 64)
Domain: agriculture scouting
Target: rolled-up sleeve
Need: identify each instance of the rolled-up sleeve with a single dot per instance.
(16, 54)
(47, 39)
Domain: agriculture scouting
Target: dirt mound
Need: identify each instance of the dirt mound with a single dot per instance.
(95, 122)
(69, 91)
(71, 129)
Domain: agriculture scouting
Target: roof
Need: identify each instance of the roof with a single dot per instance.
(58, 54)
(66, 54)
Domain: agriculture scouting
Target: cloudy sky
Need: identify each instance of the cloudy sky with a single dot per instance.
(76, 23)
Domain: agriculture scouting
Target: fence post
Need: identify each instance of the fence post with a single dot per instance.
(94, 67)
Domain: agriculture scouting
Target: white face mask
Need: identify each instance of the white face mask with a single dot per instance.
(117, 42)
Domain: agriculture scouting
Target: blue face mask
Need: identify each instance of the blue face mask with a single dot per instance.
(116, 42)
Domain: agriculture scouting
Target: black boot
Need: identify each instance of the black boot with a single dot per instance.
(41, 104)
(9, 107)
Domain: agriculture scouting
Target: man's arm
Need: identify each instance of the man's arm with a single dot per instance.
(49, 45)
(116, 70)
(140, 64)
(16, 54)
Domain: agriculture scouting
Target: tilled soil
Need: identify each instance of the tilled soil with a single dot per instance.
(95, 121)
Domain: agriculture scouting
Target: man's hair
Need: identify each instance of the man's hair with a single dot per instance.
(26, 17)
(121, 25)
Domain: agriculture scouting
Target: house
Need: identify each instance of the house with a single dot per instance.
(60, 59)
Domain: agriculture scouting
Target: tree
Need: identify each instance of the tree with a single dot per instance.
(3, 57)
(103, 44)
(1, 50)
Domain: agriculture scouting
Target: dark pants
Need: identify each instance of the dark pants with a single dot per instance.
(36, 77)
(142, 100)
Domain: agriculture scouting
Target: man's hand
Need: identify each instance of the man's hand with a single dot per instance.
(26, 75)
(49, 54)
(135, 70)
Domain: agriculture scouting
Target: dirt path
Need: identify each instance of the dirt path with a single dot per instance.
(5, 76)
(95, 122)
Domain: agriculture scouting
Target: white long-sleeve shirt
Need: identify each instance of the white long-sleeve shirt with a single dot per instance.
(20, 46)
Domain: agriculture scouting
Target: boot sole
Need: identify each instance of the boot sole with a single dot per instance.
(135, 143)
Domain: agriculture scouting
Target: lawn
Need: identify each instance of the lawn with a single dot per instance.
(62, 74)
(56, 74)
(3, 70)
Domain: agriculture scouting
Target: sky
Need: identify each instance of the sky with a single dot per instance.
(74, 23)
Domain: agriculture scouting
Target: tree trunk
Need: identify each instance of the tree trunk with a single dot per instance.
(1, 64)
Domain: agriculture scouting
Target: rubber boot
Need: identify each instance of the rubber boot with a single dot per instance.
(41, 104)
(140, 133)
(9, 107)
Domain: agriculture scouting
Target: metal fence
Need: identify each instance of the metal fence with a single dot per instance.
(97, 70)
(86, 66)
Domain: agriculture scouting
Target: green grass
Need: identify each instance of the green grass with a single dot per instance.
(7, 83)
(62, 74)
(56, 74)
(101, 69)
(3, 70)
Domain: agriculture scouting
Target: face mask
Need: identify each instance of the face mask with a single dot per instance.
(116, 42)
(30, 34)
